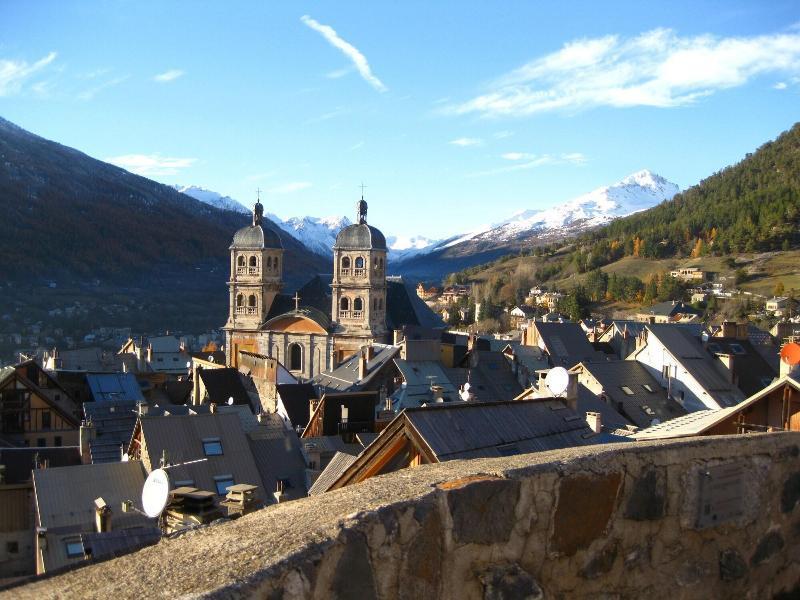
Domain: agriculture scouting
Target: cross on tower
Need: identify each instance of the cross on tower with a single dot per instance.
(363, 187)
(258, 194)
(296, 302)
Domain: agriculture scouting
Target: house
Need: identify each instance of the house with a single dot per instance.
(278, 456)
(628, 387)
(747, 368)
(462, 430)
(526, 361)
(427, 293)
(66, 508)
(455, 293)
(691, 274)
(668, 312)
(368, 369)
(17, 546)
(216, 437)
(550, 299)
(344, 414)
(294, 404)
(160, 354)
(678, 361)
(775, 408)
(106, 429)
(564, 344)
(521, 313)
(35, 412)
(621, 336)
(422, 382)
(777, 305)
(221, 386)
(114, 387)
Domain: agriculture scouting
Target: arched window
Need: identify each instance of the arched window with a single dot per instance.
(295, 357)
(374, 304)
(251, 300)
(275, 263)
(240, 261)
(269, 262)
(240, 300)
(345, 262)
(358, 304)
(253, 261)
(344, 304)
(360, 262)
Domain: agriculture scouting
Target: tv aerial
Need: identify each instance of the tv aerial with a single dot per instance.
(557, 381)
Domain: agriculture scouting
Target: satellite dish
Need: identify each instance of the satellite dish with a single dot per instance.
(790, 354)
(557, 380)
(230, 400)
(155, 493)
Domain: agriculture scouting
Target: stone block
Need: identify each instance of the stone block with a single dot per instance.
(770, 544)
(602, 562)
(352, 579)
(483, 510)
(791, 493)
(731, 565)
(585, 505)
(648, 498)
(421, 572)
(510, 582)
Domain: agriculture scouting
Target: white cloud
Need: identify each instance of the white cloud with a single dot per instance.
(781, 85)
(501, 135)
(93, 91)
(359, 60)
(657, 68)
(465, 141)
(168, 76)
(288, 188)
(524, 161)
(14, 73)
(336, 74)
(150, 165)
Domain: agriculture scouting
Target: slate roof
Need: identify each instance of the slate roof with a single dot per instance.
(360, 236)
(222, 384)
(118, 542)
(113, 422)
(65, 495)
(105, 387)
(315, 302)
(404, 307)
(418, 376)
(278, 456)
(707, 371)
(530, 357)
(753, 372)
(641, 406)
(20, 462)
(338, 464)
(492, 429)
(296, 400)
(670, 309)
(256, 237)
(182, 439)
(566, 343)
(345, 376)
(164, 343)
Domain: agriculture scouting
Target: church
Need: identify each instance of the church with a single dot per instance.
(330, 317)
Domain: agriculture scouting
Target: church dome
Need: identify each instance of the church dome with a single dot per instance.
(256, 236)
(360, 236)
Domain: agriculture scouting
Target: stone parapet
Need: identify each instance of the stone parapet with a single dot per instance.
(710, 517)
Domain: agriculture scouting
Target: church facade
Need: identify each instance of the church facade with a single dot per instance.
(327, 319)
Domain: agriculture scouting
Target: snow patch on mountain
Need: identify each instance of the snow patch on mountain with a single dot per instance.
(318, 234)
(211, 198)
(638, 191)
(402, 247)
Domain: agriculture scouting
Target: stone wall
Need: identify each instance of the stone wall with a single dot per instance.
(712, 517)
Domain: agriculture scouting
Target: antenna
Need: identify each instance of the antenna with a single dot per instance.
(557, 381)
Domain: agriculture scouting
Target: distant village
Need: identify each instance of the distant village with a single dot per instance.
(353, 375)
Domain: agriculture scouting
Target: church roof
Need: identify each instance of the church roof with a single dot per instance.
(315, 303)
(360, 236)
(404, 307)
(256, 237)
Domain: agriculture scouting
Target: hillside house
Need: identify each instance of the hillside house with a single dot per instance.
(689, 274)
(777, 305)
(671, 311)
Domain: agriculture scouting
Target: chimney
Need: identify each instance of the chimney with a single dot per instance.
(362, 364)
(212, 408)
(312, 406)
(729, 329)
(86, 434)
(595, 421)
(437, 392)
(741, 331)
(571, 397)
(370, 351)
(397, 337)
(144, 408)
(102, 516)
(727, 360)
(279, 492)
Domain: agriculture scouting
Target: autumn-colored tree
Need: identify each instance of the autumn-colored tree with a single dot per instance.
(779, 289)
(638, 246)
(698, 248)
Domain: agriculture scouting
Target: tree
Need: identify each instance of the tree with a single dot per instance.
(778, 291)
(575, 304)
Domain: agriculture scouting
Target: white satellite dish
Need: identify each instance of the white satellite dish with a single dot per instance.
(230, 400)
(557, 380)
(155, 493)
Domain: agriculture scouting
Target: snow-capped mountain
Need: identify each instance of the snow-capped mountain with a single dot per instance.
(318, 234)
(212, 198)
(638, 191)
(402, 247)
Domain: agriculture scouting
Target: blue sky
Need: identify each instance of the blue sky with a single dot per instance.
(453, 114)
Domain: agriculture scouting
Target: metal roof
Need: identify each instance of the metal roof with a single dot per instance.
(113, 422)
(277, 455)
(256, 237)
(566, 343)
(418, 376)
(345, 376)
(481, 429)
(222, 384)
(106, 387)
(404, 307)
(19, 462)
(360, 236)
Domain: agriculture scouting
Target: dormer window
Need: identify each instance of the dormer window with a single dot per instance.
(212, 447)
